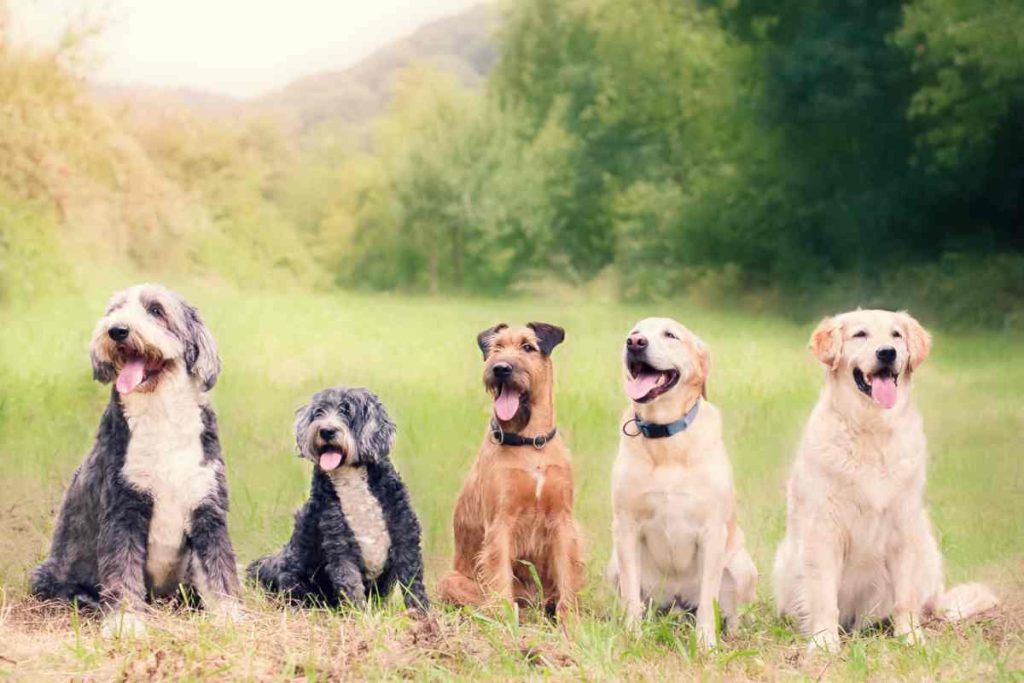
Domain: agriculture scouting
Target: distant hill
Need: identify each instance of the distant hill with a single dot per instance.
(460, 44)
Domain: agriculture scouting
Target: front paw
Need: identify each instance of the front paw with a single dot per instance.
(824, 641)
(908, 628)
(707, 637)
(228, 612)
(122, 624)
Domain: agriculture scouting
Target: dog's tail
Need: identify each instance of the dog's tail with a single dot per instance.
(964, 601)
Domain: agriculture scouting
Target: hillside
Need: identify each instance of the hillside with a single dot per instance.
(460, 44)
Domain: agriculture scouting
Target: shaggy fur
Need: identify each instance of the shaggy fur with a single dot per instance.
(515, 509)
(676, 540)
(357, 536)
(859, 546)
(146, 512)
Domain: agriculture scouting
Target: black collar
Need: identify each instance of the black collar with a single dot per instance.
(652, 430)
(503, 438)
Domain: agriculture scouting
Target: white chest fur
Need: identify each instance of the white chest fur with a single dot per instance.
(165, 459)
(364, 516)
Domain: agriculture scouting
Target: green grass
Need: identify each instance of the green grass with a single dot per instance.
(420, 356)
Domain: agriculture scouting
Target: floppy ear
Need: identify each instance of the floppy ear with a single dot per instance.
(483, 340)
(548, 336)
(378, 433)
(827, 342)
(301, 422)
(919, 342)
(201, 359)
(102, 371)
(703, 367)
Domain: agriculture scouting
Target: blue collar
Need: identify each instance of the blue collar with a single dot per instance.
(652, 430)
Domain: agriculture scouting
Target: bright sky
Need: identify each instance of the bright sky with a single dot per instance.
(230, 47)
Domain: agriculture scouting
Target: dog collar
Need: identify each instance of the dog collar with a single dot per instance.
(652, 430)
(503, 438)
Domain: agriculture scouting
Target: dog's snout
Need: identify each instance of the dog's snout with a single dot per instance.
(886, 354)
(636, 342)
(502, 370)
(118, 332)
(327, 433)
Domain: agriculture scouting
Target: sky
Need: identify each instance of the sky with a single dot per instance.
(228, 47)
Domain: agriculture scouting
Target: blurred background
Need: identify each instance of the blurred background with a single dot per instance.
(787, 156)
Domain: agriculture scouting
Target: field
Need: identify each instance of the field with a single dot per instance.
(420, 356)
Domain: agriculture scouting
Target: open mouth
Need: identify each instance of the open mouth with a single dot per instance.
(507, 400)
(646, 383)
(139, 372)
(331, 457)
(879, 386)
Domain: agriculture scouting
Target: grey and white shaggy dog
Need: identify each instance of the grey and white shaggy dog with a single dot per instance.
(145, 514)
(357, 536)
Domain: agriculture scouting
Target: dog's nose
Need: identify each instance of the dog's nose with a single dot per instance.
(118, 333)
(327, 433)
(886, 354)
(636, 342)
(502, 370)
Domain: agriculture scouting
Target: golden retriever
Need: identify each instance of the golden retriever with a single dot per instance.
(676, 541)
(859, 547)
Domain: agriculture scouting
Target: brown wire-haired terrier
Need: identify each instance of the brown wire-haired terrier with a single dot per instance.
(514, 514)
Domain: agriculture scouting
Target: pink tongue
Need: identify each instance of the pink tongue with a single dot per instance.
(506, 404)
(330, 460)
(883, 391)
(641, 385)
(131, 376)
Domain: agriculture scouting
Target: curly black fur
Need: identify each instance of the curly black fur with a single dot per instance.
(322, 562)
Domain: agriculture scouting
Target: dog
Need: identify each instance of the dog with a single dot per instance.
(675, 536)
(145, 514)
(357, 536)
(513, 522)
(859, 547)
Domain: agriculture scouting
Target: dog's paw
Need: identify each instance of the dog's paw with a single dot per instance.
(121, 624)
(707, 638)
(826, 641)
(228, 612)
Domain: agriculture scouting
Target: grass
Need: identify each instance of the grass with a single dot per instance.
(420, 356)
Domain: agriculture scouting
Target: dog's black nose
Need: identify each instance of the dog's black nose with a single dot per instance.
(327, 434)
(636, 342)
(118, 333)
(886, 354)
(502, 370)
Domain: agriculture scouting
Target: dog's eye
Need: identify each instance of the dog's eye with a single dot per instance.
(529, 348)
(670, 335)
(860, 334)
(896, 334)
(155, 310)
(318, 413)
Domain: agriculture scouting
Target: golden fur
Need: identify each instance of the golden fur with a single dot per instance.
(674, 527)
(859, 546)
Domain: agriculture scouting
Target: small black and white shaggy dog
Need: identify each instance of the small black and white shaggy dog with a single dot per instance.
(145, 513)
(357, 536)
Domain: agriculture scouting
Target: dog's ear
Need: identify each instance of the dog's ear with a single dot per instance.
(378, 432)
(483, 340)
(301, 423)
(201, 359)
(827, 342)
(919, 342)
(548, 336)
(703, 366)
(102, 371)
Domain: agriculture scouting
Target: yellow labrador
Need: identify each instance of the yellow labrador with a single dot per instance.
(859, 546)
(676, 540)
